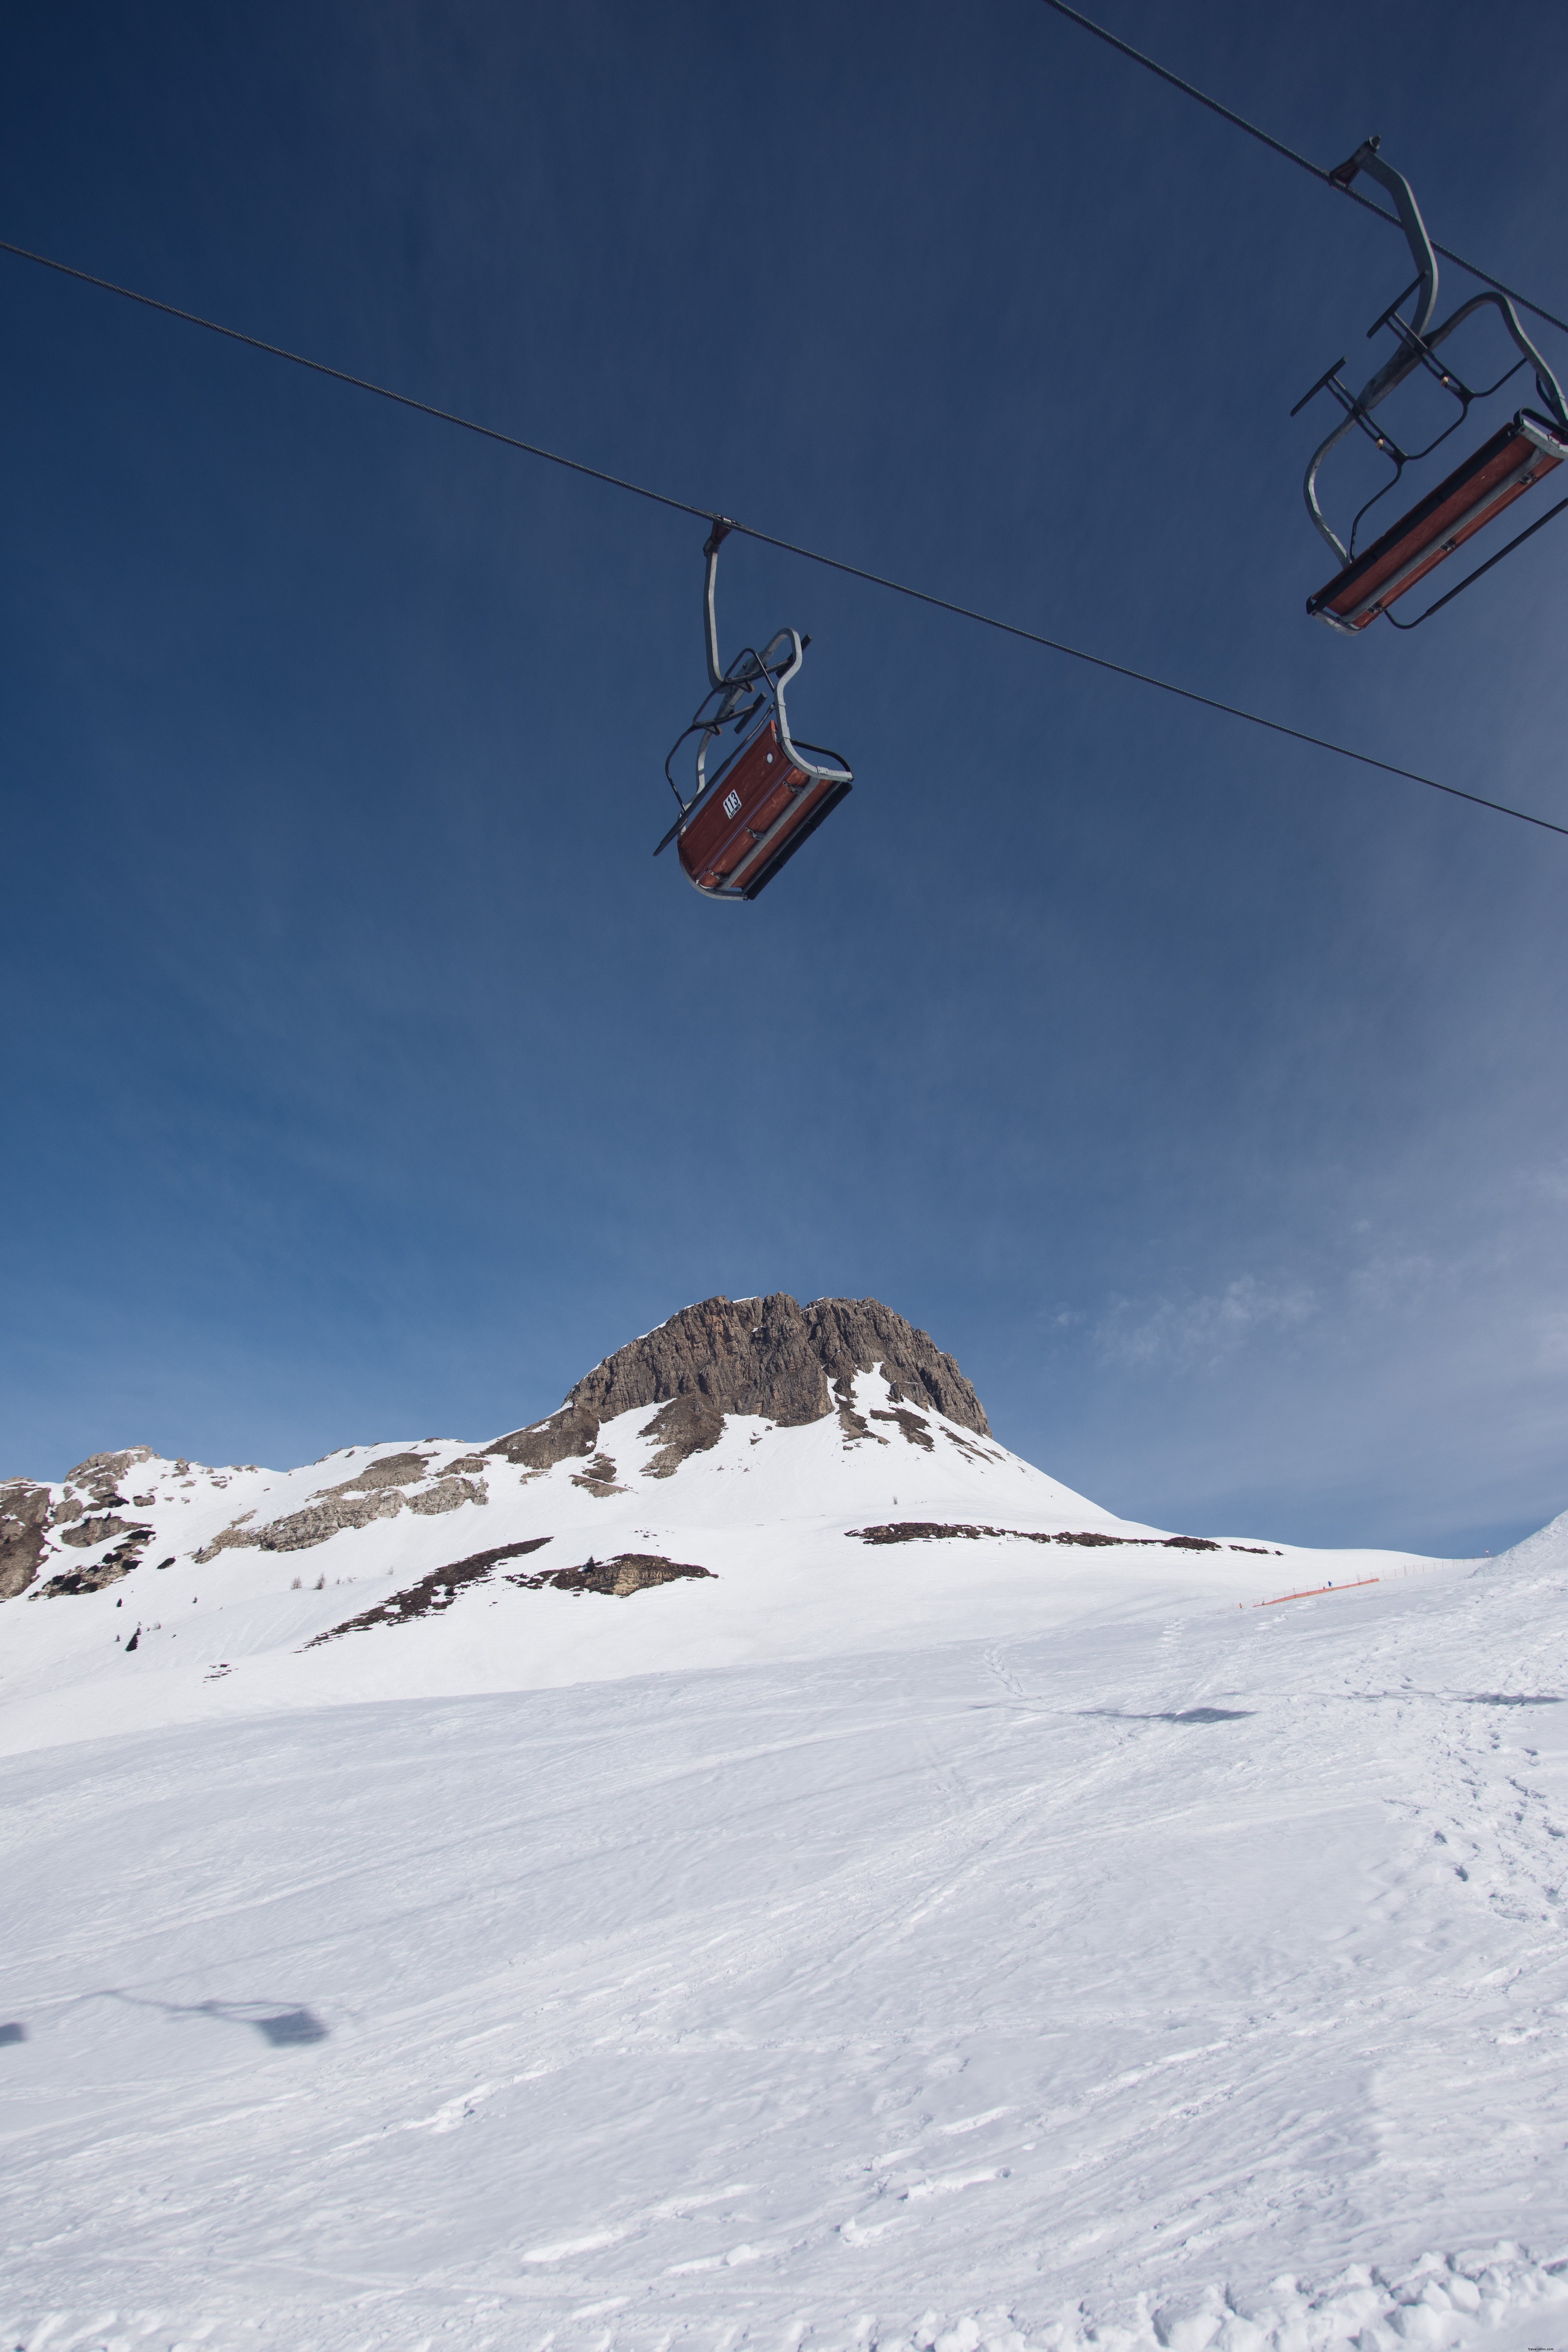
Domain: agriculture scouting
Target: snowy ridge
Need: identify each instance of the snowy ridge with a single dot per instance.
(1020, 1941)
(226, 1621)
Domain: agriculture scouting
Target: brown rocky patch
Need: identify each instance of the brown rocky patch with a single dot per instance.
(769, 1357)
(298, 1530)
(686, 1425)
(338, 1508)
(930, 1531)
(392, 1470)
(854, 1425)
(106, 1570)
(432, 1594)
(775, 1359)
(24, 1523)
(238, 1535)
(599, 1477)
(628, 1572)
(100, 1473)
(446, 1493)
(573, 1430)
(85, 1533)
(916, 1429)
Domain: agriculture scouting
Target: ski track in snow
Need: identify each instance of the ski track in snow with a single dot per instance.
(1140, 1971)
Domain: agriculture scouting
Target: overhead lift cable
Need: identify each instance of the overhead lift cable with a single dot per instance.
(787, 547)
(1304, 163)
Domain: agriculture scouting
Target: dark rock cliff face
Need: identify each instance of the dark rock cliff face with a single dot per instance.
(788, 1364)
(28, 1515)
(100, 1473)
(24, 1519)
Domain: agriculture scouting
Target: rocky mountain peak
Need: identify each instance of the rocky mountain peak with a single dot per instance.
(770, 1357)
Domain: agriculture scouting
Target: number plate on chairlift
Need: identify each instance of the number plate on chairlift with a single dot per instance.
(732, 804)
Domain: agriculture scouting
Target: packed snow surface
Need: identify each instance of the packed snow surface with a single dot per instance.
(966, 1940)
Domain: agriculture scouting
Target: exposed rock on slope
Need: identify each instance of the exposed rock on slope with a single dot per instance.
(106, 1570)
(100, 1475)
(24, 1518)
(29, 1514)
(628, 1572)
(356, 1504)
(432, 1594)
(390, 1470)
(572, 1430)
(85, 1533)
(768, 1358)
(788, 1364)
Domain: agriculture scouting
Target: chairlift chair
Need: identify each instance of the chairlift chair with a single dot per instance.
(1517, 457)
(742, 823)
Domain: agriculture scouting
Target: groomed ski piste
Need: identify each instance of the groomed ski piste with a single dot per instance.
(922, 1928)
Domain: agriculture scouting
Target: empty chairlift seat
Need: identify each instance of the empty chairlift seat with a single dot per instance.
(1501, 471)
(743, 824)
(1520, 454)
(757, 812)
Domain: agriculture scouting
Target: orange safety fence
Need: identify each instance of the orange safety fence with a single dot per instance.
(1312, 1592)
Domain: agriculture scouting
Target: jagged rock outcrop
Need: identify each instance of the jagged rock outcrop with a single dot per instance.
(571, 1430)
(432, 1594)
(448, 1495)
(628, 1572)
(342, 1507)
(23, 1521)
(100, 1475)
(83, 1534)
(770, 1357)
(390, 1470)
(686, 1425)
(773, 1357)
(108, 1570)
(29, 1516)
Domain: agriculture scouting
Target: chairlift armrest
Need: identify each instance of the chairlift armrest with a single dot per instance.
(1327, 377)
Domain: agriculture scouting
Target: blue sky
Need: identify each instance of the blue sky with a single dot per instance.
(365, 1079)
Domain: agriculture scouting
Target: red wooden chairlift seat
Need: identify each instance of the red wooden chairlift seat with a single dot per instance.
(743, 824)
(1516, 458)
(758, 811)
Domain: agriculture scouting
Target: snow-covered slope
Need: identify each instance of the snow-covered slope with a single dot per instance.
(978, 1935)
(776, 1517)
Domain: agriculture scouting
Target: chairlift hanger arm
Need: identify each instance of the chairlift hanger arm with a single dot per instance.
(1330, 179)
(1417, 344)
(1412, 349)
(1368, 160)
(715, 540)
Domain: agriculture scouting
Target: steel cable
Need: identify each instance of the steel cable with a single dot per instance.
(1304, 163)
(785, 546)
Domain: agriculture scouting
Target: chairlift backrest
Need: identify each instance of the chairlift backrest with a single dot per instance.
(743, 823)
(1478, 490)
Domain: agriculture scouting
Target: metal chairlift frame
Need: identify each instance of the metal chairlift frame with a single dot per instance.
(1536, 443)
(750, 696)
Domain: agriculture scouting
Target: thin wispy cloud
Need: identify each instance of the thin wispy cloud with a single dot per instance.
(1199, 1331)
